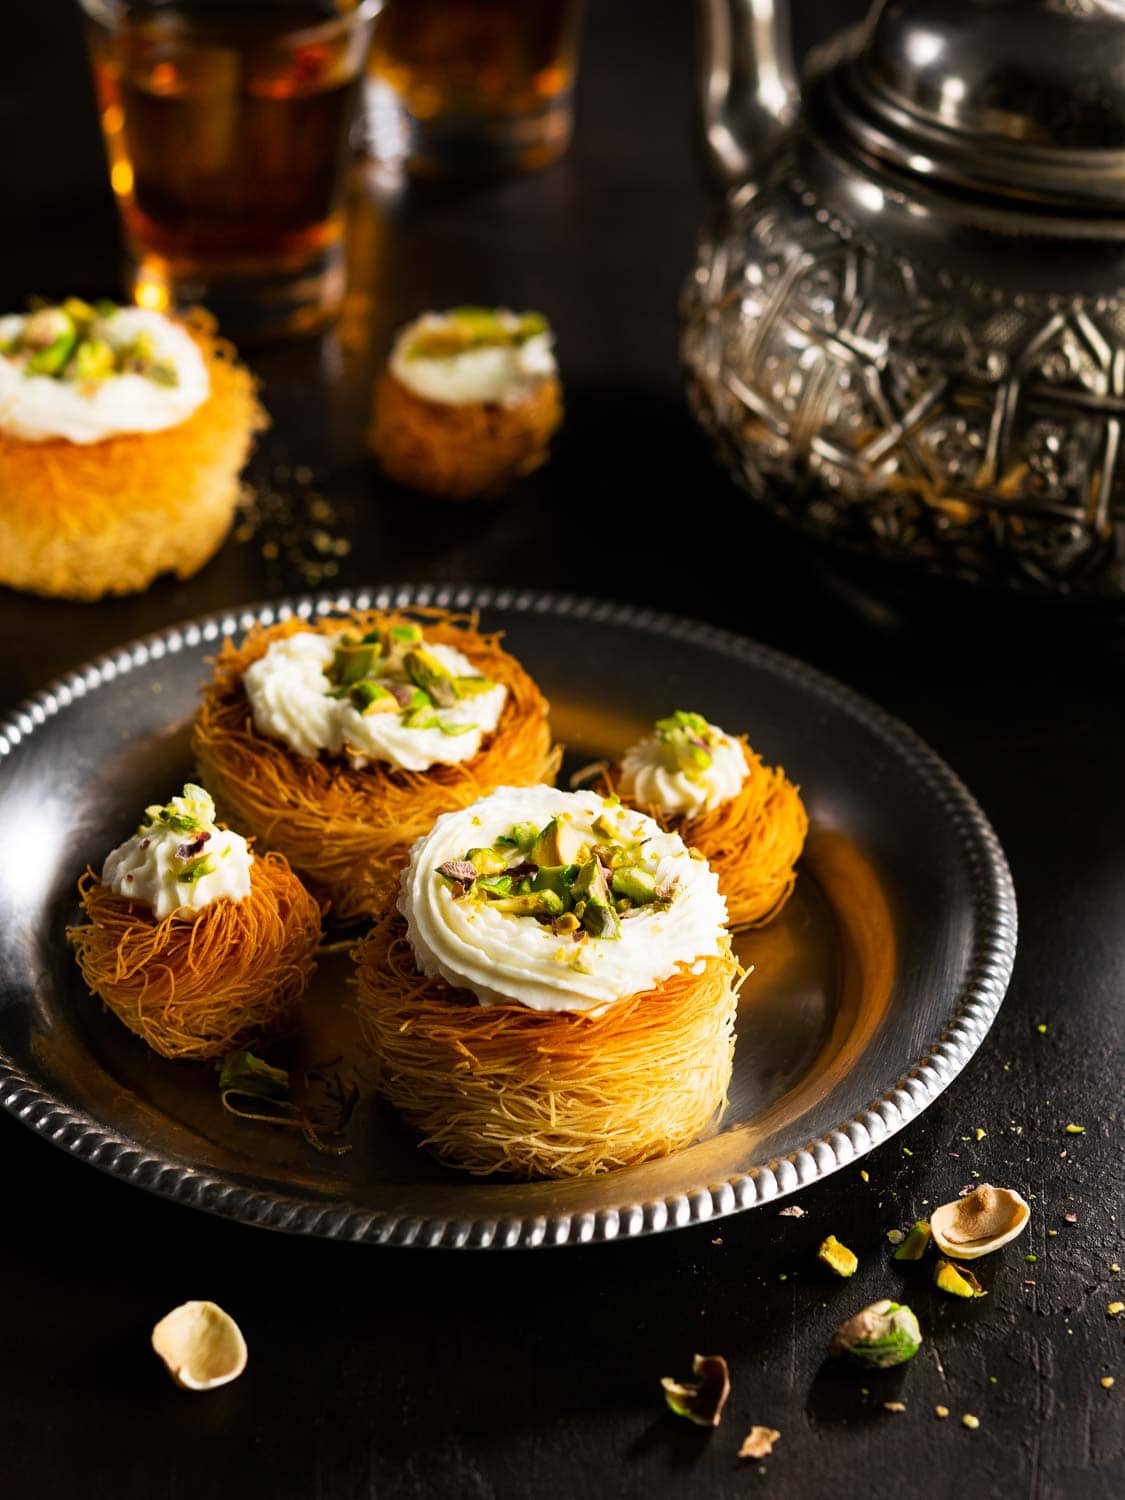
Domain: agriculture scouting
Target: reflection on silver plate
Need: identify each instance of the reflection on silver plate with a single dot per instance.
(868, 995)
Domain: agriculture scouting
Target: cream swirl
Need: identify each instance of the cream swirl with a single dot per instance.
(179, 858)
(37, 408)
(652, 777)
(503, 373)
(502, 958)
(290, 699)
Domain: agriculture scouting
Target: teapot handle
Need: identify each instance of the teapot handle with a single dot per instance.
(749, 87)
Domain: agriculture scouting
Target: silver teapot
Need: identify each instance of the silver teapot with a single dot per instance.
(906, 331)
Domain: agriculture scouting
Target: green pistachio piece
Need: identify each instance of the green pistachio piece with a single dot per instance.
(957, 1280)
(684, 737)
(598, 916)
(532, 904)
(522, 837)
(420, 718)
(838, 1257)
(531, 324)
(92, 360)
(914, 1245)
(605, 828)
(80, 313)
(404, 635)
(494, 885)
(105, 308)
(472, 687)
(487, 861)
(196, 870)
(52, 359)
(372, 698)
(138, 354)
(635, 885)
(352, 661)
(557, 878)
(46, 326)
(163, 372)
(426, 672)
(560, 843)
(881, 1336)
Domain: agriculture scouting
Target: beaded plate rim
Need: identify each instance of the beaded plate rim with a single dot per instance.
(995, 931)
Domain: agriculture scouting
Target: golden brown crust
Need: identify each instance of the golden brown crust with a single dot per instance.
(80, 521)
(461, 451)
(349, 832)
(201, 983)
(546, 1094)
(752, 841)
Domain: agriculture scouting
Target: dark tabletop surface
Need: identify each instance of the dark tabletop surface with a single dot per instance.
(396, 1374)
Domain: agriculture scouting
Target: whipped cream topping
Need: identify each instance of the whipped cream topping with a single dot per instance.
(494, 373)
(179, 858)
(653, 774)
(289, 694)
(39, 407)
(501, 957)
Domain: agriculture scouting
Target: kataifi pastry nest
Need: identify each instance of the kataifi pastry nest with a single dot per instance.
(349, 832)
(201, 983)
(82, 520)
(752, 841)
(530, 1093)
(466, 450)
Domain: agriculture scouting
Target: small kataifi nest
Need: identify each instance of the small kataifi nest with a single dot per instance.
(462, 451)
(349, 832)
(82, 520)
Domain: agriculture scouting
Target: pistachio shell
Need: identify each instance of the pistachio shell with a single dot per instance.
(201, 1344)
(980, 1222)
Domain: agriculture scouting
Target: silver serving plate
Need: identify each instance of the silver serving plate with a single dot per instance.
(868, 995)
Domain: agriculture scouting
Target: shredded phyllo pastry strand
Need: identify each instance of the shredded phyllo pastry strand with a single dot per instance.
(533, 1093)
(349, 831)
(201, 983)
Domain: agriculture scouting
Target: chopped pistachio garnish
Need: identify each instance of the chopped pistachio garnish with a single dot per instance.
(69, 342)
(465, 328)
(838, 1257)
(576, 880)
(686, 739)
(390, 671)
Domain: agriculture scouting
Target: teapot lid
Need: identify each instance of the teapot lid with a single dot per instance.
(1016, 98)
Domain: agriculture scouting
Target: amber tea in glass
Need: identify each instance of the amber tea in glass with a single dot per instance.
(227, 129)
(472, 85)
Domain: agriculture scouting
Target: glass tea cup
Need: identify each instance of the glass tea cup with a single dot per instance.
(227, 126)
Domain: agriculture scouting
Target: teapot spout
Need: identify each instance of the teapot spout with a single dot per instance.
(749, 87)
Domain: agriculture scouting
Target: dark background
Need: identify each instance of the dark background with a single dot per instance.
(404, 1374)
